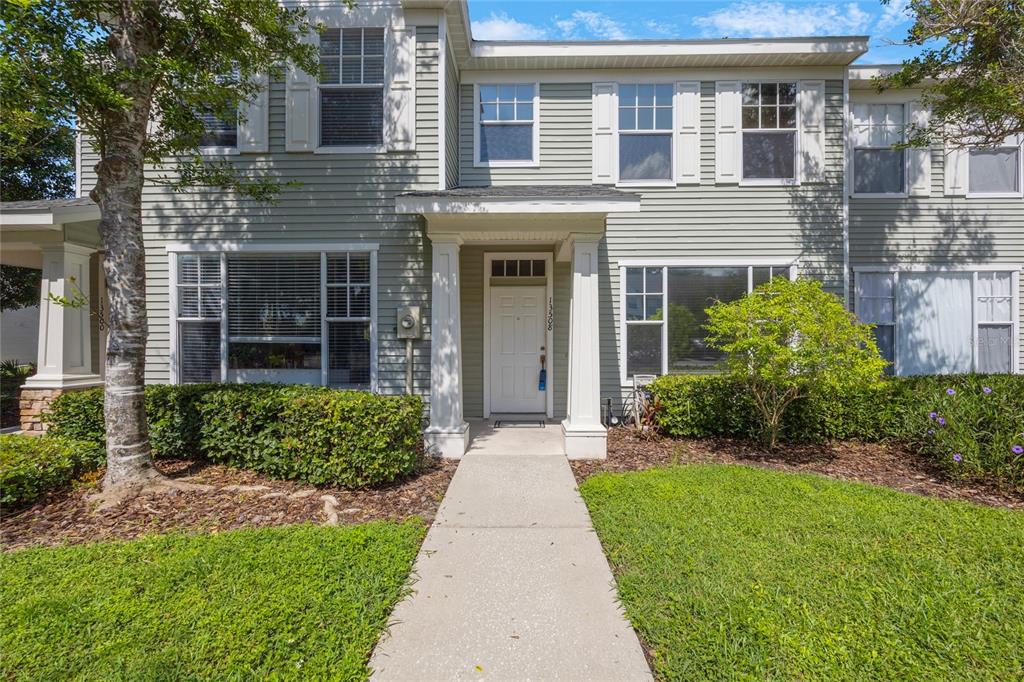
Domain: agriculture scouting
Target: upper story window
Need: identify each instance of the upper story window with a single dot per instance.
(507, 124)
(769, 131)
(352, 87)
(645, 132)
(219, 133)
(877, 167)
(995, 172)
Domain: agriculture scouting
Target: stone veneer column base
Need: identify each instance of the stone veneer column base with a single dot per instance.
(33, 403)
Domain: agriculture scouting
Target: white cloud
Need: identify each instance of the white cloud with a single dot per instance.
(895, 13)
(774, 20)
(584, 24)
(661, 28)
(500, 26)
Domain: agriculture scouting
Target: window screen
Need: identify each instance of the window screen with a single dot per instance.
(645, 132)
(769, 130)
(995, 322)
(352, 87)
(994, 171)
(506, 122)
(877, 167)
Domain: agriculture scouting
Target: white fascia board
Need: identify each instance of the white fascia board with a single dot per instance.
(430, 206)
(262, 247)
(49, 218)
(940, 267)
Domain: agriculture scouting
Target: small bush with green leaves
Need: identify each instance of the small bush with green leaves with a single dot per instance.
(316, 435)
(31, 466)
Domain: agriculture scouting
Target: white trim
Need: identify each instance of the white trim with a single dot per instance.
(172, 317)
(549, 340)
(986, 267)
(533, 162)
(847, 46)
(846, 164)
(262, 247)
(353, 149)
(374, 327)
(670, 133)
(1015, 319)
(796, 131)
(999, 195)
(792, 265)
(660, 75)
(217, 151)
(78, 162)
(434, 205)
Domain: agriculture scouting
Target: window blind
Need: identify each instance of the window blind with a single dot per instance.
(274, 297)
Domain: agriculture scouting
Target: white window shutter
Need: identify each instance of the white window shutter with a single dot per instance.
(300, 127)
(919, 159)
(605, 100)
(811, 98)
(687, 132)
(253, 133)
(400, 99)
(727, 131)
(955, 171)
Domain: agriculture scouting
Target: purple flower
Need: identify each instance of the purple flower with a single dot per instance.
(1018, 449)
(957, 457)
(933, 415)
(950, 391)
(986, 390)
(942, 421)
(931, 432)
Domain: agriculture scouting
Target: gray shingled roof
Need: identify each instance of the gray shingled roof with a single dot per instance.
(45, 204)
(527, 191)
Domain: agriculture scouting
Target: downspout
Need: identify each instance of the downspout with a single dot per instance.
(846, 188)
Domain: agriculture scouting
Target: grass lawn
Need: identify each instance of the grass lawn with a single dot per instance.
(731, 572)
(291, 602)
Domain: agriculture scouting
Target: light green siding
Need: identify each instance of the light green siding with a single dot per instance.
(451, 123)
(342, 198)
(938, 231)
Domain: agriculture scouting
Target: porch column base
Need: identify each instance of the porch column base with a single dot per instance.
(447, 443)
(66, 381)
(585, 441)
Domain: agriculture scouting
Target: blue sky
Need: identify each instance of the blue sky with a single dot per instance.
(625, 19)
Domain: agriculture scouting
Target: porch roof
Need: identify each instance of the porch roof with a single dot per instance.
(511, 199)
(47, 213)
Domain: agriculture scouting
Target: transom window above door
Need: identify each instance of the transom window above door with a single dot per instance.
(506, 130)
(769, 121)
(517, 267)
(645, 132)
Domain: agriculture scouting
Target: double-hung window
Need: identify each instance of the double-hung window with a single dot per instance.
(218, 133)
(941, 322)
(275, 317)
(769, 123)
(507, 128)
(995, 172)
(878, 168)
(352, 87)
(645, 132)
(664, 313)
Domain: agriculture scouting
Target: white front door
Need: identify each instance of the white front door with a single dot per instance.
(517, 344)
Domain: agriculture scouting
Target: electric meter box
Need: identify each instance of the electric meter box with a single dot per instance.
(410, 323)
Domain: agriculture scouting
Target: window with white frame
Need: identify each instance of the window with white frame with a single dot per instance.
(645, 132)
(664, 313)
(507, 123)
(218, 132)
(995, 172)
(941, 322)
(284, 318)
(769, 123)
(877, 167)
(352, 87)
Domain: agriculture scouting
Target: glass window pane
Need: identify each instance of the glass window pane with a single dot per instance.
(750, 94)
(337, 302)
(538, 268)
(209, 269)
(188, 302)
(188, 269)
(643, 343)
(488, 112)
(511, 268)
(330, 70)
(488, 93)
(359, 300)
(276, 355)
(359, 268)
(330, 42)
(627, 119)
(645, 157)
(663, 119)
(634, 280)
(768, 155)
(274, 295)
(209, 302)
(351, 117)
(373, 70)
(506, 111)
(645, 95)
(507, 93)
(652, 308)
(337, 268)
(634, 307)
(497, 268)
(627, 95)
(750, 117)
(663, 94)
(787, 93)
(885, 340)
(762, 276)
(352, 41)
(653, 280)
(787, 117)
(524, 111)
(994, 283)
(524, 93)
(769, 117)
(348, 354)
(875, 284)
(878, 171)
(769, 93)
(199, 352)
(690, 292)
(875, 310)
(645, 119)
(525, 269)
(994, 171)
(373, 41)
(506, 142)
(995, 349)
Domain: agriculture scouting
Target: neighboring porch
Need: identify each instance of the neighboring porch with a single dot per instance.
(60, 238)
(514, 309)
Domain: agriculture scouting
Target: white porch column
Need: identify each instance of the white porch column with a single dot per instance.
(585, 436)
(65, 339)
(448, 433)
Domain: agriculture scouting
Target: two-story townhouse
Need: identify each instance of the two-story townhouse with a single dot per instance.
(561, 214)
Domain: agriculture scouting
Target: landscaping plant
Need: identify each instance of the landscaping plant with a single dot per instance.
(31, 466)
(787, 340)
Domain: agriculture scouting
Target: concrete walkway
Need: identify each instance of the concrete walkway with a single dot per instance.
(512, 583)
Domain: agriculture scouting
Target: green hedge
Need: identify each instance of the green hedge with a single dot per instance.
(316, 435)
(33, 465)
(985, 428)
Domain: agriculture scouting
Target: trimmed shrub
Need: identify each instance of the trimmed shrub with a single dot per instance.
(316, 435)
(986, 429)
(33, 465)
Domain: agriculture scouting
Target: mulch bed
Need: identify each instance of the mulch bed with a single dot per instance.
(237, 499)
(875, 463)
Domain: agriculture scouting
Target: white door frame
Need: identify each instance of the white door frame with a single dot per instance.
(549, 323)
